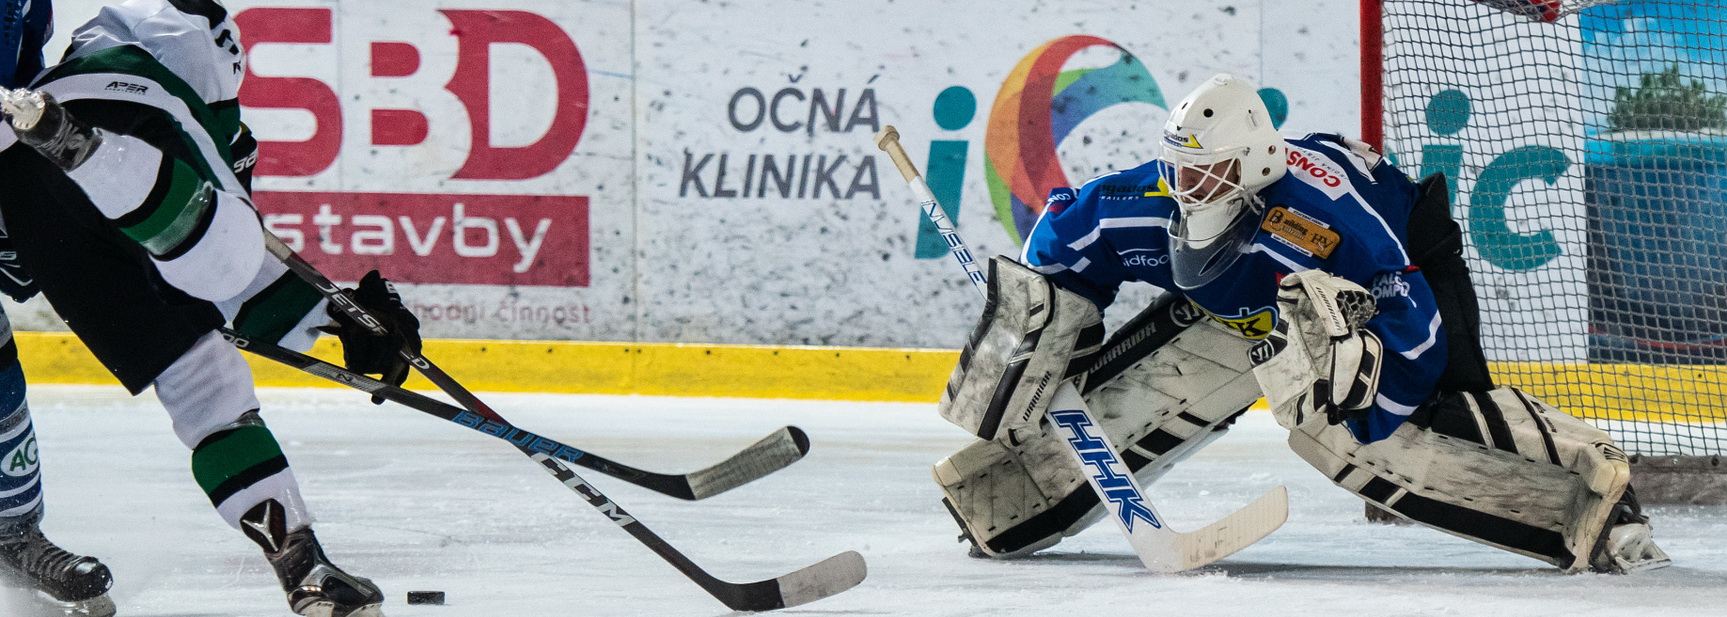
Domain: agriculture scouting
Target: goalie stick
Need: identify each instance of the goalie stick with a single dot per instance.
(828, 577)
(820, 580)
(1159, 547)
(770, 454)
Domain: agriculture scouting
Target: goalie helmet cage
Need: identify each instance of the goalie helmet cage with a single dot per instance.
(1585, 146)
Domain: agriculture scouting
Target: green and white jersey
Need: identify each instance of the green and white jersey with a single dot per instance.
(160, 79)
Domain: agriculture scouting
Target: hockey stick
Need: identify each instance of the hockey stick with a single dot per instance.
(771, 454)
(1159, 547)
(765, 456)
(830, 576)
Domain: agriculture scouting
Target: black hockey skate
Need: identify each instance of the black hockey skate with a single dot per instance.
(1626, 544)
(64, 583)
(315, 587)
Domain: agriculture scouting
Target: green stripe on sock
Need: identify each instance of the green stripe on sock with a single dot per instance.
(225, 455)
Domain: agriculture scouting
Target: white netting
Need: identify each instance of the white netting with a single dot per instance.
(1587, 157)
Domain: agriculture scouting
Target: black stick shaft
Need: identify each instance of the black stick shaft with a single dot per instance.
(668, 484)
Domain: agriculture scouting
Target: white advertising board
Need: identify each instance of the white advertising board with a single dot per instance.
(703, 172)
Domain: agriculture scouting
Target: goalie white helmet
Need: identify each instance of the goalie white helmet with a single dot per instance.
(1219, 150)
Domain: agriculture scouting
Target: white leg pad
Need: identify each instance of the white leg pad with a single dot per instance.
(1014, 497)
(1500, 468)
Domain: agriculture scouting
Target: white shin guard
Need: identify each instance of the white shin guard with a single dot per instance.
(1498, 467)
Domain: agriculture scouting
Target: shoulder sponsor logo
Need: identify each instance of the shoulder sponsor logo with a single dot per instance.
(1301, 232)
(127, 88)
(1314, 169)
(1123, 191)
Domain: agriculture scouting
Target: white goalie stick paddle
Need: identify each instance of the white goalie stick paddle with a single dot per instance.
(1159, 547)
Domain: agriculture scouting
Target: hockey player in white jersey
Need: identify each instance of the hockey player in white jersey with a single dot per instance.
(1310, 270)
(128, 207)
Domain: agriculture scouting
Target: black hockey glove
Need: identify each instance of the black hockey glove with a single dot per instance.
(365, 352)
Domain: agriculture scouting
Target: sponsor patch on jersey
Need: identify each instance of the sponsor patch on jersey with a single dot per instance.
(1117, 191)
(1300, 232)
(1162, 190)
(1252, 325)
(127, 87)
(1144, 258)
(1390, 291)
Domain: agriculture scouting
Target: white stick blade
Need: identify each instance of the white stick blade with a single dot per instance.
(833, 575)
(1235, 532)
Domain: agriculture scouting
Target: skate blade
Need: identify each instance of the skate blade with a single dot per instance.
(328, 609)
(1644, 565)
(99, 606)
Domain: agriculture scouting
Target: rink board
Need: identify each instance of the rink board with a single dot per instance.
(836, 373)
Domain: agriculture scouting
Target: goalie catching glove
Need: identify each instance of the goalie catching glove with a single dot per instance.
(365, 352)
(1320, 360)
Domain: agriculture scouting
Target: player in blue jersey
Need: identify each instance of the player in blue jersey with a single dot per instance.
(27, 558)
(1318, 267)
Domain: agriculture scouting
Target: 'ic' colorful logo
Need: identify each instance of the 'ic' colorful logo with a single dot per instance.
(1037, 107)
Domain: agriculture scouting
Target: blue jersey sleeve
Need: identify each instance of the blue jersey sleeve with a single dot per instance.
(1066, 246)
(1415, 352)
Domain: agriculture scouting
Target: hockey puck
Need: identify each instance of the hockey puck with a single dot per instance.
(425, 597)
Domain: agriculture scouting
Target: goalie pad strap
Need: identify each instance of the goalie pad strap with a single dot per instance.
(1474, 524)
(1031, 335)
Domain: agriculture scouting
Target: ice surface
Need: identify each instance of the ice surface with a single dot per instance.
(417, 503)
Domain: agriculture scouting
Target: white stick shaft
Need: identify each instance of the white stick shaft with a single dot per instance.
(888, 141)
(955, 244)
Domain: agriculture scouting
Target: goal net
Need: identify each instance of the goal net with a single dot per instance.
(1585, 145)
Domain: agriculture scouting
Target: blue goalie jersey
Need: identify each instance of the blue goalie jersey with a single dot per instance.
(1340, 209)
